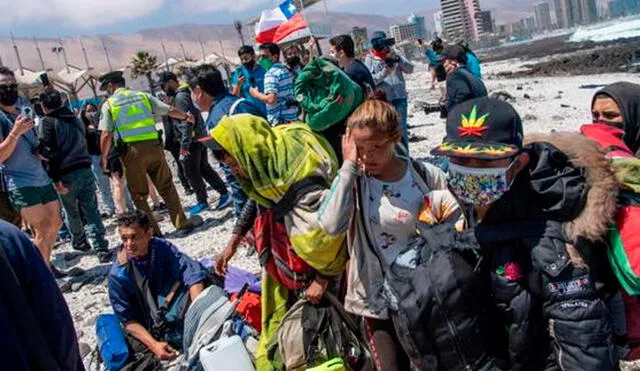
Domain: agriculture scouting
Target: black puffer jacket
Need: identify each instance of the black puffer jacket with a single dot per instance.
(441, 316)
(549, 273)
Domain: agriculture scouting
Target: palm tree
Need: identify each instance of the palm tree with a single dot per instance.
(143, 63)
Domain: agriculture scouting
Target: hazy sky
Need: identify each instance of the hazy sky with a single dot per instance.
(89, 17)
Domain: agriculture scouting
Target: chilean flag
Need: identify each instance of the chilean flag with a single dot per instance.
(276, 24)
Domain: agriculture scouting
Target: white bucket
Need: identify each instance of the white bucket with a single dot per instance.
(226, 354)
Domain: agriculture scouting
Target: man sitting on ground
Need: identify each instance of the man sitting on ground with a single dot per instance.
(151, 272)
(461, 84)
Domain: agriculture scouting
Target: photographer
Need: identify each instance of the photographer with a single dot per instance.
(69, 166)
(249, 75)
(30, 189)
(388, 66)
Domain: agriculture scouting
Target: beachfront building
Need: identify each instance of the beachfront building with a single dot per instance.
(486, 21)
(413, 30)
(543, 15)
(461, 18)
(571, 13)
(437, 20)
(621, 8)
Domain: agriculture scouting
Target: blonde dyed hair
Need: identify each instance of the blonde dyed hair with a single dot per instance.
(379, 116)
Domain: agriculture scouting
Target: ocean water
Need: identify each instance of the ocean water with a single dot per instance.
(618, 29)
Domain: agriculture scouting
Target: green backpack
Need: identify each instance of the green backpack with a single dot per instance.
(326, 94)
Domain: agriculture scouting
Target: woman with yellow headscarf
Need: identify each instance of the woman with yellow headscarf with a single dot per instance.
(270, 162)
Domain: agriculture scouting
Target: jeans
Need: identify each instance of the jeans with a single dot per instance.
(81, 198)
(182, 172)
(238, 197)
(104, 185)
(401, 106)
(199, 171)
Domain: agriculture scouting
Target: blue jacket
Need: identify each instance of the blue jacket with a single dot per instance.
(473, 65)
(47, 305)
(223, 105)
(166, 266)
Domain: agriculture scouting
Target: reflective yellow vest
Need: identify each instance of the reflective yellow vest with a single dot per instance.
(132, 115)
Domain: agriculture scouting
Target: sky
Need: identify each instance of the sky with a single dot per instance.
(51, 18)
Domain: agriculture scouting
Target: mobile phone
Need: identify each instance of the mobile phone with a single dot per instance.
(26, 111)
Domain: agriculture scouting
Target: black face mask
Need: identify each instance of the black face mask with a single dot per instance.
(170, 92)
(293, 61)
(9, 95)
(249, 65)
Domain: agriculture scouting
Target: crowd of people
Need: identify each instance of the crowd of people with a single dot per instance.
(500, 257)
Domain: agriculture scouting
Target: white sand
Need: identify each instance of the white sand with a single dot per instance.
(542, 112)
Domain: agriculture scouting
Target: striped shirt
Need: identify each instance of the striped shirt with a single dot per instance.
(279, 80)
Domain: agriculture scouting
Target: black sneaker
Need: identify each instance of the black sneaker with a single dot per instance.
(159, 207)
(84, 246)
(57, 273)
(105, 256)
(193, 223)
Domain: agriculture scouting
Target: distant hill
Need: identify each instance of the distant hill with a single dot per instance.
(217, 38)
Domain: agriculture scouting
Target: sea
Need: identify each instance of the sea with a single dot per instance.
(623, 28)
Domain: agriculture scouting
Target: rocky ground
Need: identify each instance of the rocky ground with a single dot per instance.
(545, 103)
(558, 57)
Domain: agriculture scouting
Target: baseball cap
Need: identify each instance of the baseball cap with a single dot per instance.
(483, 128)
(379, 39)
(455, 52)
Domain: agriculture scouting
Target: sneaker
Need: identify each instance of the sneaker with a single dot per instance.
(57, 273)
(105, 256)
(106, 215)
(159, 207)
(193, 223)
(223, 202)
(198, 208)
(84, 246)
(188, 191)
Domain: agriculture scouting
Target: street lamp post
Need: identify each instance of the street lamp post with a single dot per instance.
(238, 26)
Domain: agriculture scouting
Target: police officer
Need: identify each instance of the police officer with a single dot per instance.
(127, 122)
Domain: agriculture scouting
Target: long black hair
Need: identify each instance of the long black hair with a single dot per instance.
(83, 115)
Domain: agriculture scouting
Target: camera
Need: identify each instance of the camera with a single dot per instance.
(44, 79)
(392, 61)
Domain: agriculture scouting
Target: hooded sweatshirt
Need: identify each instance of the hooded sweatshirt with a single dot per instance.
(65, 144)
(627, 97)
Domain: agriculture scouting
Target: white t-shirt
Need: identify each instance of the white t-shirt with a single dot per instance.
(393, 210)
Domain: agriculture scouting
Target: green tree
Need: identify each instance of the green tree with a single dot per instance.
(143, 64)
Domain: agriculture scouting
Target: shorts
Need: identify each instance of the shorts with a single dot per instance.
(31, 196)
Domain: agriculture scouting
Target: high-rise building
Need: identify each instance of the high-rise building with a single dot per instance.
(413, 30)
(437, 20)
(460, 18)
(402, 32)
(421, 27)
(359, 33)
(486, 21)
(572, 13)
(621, 8)
(543, 16)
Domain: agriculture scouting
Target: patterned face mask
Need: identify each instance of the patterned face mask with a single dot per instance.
(478, 186)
